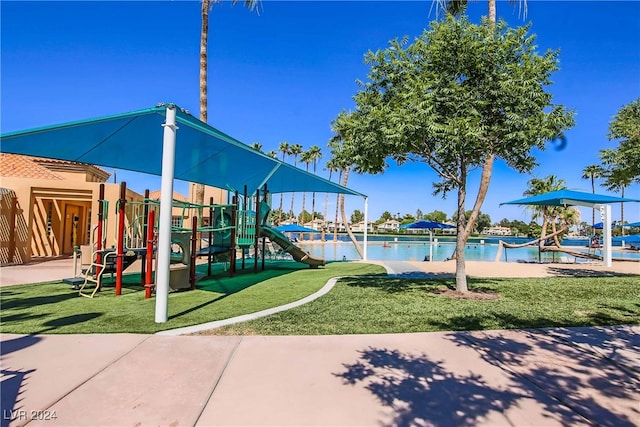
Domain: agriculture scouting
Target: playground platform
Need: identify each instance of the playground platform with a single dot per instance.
(550, 377)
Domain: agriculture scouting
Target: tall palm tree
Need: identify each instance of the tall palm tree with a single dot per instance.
(592, 172)
(294, 150)
(284, 149)
(256, 146)
(617, 180)
(272, 154)
(306, 158)
(331, 167)
(207, 5)
(315, 155)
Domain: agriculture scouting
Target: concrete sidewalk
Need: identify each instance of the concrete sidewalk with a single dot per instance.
(566, 376)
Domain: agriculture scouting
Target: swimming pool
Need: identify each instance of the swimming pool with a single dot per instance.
(416, 250)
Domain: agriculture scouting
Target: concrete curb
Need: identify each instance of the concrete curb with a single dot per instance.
(252, 316)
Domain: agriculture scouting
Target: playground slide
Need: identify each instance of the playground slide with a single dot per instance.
(286, 244)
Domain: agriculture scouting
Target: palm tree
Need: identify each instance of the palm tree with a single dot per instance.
(294, 150)
(549, 214)
(315, 155)
(331, 166)
(284, 149)
(592, 172)
(305, 157)
(272, 154)
(256, 146)
(207, 5)
(617, 180)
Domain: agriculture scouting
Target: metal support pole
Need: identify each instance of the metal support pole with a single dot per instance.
(166, 204)
(209, 254)
(99, 236)
(605, 213)
(256, 238)
(120, 251)
(192, 263)
(366, 228)
(232, 238)
(145, 226)
(149, 257)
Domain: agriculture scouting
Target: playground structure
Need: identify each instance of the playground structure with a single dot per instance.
(217, 231)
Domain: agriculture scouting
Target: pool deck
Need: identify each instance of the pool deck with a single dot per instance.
(540, 377)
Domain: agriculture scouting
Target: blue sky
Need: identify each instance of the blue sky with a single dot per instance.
(285, 73)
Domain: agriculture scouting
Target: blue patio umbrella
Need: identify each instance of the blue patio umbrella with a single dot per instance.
(429, 225)
(294, 228)
(422, 224)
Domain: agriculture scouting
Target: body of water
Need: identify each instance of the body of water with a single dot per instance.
(413, 248)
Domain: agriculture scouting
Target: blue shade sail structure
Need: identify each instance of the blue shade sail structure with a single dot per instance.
(633, 239)
(569, 198)
(427, 224)
(295, 228)
(133, 141)
(633, 224)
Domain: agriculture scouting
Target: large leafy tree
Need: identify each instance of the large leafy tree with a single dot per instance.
(625, 127)
(207, 5)
(460, 93)
(621, 166)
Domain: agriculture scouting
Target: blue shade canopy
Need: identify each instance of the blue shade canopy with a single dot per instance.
(426, 224)
(633, 224)
(569, 198)
(294, 228)
(134, 141)
(633, 239)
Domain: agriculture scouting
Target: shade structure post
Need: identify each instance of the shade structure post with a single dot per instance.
(166, 202)
(605, 213)
(366, 228)
(430, 245)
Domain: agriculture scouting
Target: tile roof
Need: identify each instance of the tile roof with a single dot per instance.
(19, 166)
(155, 195)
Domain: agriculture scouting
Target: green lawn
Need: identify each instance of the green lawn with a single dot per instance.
(356, 305)
(365, 306)
(55, 308)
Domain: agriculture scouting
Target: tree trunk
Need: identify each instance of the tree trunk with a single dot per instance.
(344, 216)
(622, 212)
(335, 222)
(204, 40)
(593, 210)
(492, 11)
(485, 179)
(461, 237)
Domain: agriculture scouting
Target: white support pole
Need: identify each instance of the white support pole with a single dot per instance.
(605, 213)
(166, 202)
(430, 245)
(366, 227)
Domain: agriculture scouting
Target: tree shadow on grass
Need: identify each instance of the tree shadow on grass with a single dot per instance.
(405, 284)
(420, 391)
(581, 383)
(584, 272)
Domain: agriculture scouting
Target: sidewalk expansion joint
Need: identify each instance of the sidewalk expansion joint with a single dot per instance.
(95, 374)
(218, 379)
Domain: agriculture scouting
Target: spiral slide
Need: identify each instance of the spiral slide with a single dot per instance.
(298, 254)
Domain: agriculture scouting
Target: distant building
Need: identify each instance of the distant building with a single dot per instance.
(497, 231)
(390, 225)
(359, 227)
